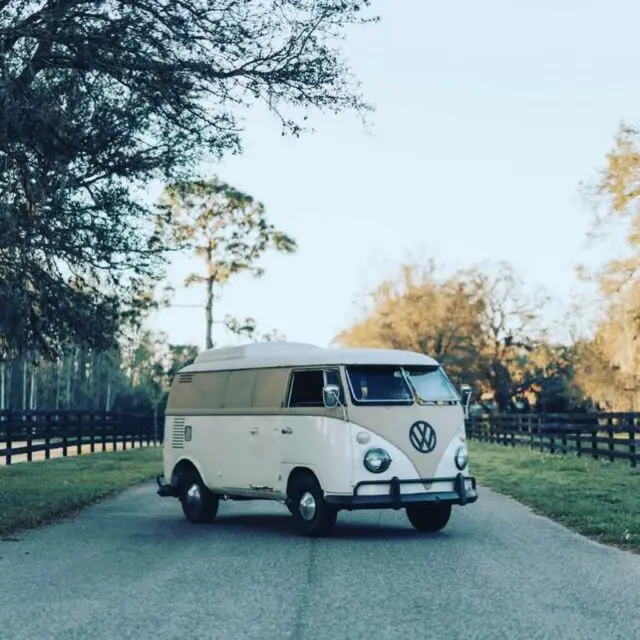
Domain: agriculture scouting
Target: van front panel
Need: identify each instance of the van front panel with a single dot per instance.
(422, 433)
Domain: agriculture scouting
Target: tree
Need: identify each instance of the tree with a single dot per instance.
(225, 227)
(477, 322)
(509, 332)
(248, 327)
(610, 371)
(419, 310)
(608, 367)
(96, 98)
(180, 356)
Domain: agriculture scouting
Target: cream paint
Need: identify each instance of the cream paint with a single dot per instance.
(320, 443)
(250, 454)
(393, 423)
(400, 466)
(447, 466)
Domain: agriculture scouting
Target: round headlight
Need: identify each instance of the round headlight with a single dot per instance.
(462, 457)
(377, 460)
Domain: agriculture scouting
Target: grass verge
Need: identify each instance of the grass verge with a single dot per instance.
(596, 498)
(34, 493)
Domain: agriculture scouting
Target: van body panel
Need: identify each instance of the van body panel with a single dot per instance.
(401, 465)
(393, 423)
(320, 443)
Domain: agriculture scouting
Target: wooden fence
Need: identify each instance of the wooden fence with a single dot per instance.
(613, 436)
(26, 436)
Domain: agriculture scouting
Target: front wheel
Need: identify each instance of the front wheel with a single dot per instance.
(428, 518)
(199, 504)
(312, 516)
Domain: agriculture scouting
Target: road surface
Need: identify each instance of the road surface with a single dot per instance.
(131, 567)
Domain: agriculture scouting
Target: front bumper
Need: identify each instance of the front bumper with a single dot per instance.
(462, 494)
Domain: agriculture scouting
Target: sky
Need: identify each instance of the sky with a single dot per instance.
(488, 117)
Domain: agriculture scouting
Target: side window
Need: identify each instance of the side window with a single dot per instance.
(306, 389)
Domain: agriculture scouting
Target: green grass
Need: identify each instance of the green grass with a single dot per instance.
(34, 493)
(596, 498)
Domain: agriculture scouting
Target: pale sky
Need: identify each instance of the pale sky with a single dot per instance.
(489, 115)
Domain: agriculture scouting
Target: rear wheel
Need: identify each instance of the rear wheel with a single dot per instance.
(429, 518)
(312, 516)
(199, 504)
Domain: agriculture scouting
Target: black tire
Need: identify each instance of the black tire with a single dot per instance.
(323, 517)
(199, 504)
(429, 518)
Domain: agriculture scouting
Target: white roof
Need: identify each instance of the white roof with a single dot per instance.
(298, 354)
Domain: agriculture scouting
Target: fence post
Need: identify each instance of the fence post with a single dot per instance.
(79, 432)
(540, 433)
(9, 440)
(28, 431)
(65, 434)
(103, 430)
(47, 436)
(611, 441)
(92, 432)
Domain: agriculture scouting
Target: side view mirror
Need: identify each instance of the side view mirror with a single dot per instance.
(331, 396)
(466, 391)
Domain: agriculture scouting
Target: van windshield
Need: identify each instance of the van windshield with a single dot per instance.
(377, 384)
(431, 385)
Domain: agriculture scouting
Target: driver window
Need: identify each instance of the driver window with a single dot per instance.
(307, 386)
(306, 389)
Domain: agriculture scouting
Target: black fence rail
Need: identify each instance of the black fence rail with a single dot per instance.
(29, 435)
(611, 436)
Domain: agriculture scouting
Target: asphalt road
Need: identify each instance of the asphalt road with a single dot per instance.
(133, 568)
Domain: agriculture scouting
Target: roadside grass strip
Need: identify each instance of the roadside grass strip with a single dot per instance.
(597, 498)
(35, 493)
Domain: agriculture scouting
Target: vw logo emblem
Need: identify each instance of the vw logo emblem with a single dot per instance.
(422, 436)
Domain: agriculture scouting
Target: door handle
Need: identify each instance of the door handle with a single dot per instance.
(254, 430)
(286, 430)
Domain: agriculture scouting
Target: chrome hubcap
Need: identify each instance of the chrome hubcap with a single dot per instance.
(307, 506)
(194, 497)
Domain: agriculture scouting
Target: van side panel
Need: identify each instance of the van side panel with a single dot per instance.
(269, 389)
(233, 417)
(239, 389)
(320, 443)
(197, 392)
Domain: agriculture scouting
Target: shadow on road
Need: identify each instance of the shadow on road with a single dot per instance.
(282, 524)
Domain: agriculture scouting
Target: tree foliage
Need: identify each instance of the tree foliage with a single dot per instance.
(477, 322)
(225, 227)
(609, 363)
(96, 98)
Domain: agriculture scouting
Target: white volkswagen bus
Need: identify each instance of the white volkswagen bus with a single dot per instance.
(318, 429)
